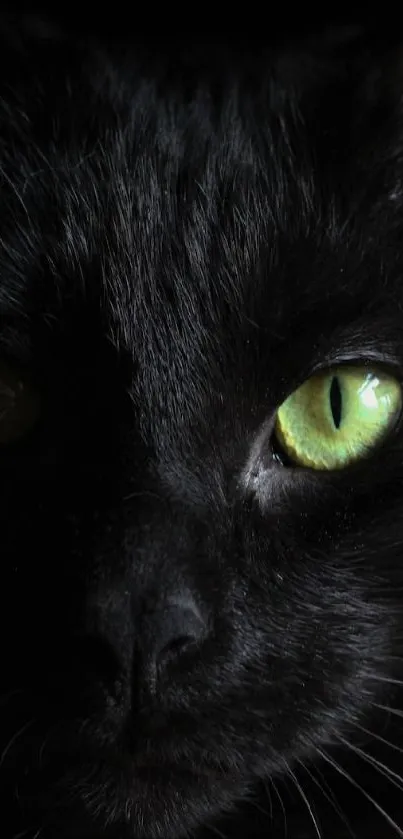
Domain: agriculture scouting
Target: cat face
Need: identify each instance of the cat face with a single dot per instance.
(185, 610)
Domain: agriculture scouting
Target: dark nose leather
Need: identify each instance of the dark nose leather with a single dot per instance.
(170, 633)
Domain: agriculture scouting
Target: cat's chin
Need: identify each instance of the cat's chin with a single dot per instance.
(88, 790)
(150, 800)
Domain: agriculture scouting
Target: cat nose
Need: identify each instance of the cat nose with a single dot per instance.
(171, 633)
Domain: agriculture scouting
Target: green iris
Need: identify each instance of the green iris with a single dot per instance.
(337, 417)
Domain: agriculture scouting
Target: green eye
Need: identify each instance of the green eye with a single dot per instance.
(337, 417)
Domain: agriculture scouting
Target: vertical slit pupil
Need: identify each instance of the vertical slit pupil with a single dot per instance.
(335, 401)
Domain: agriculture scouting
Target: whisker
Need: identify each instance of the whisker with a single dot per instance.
(145, 493)
(257, 806)
(329, 796)
(357, 786)
(268, 793)
(46, 742)
(17, 194)
(281, 805)
(387, 680)
(14, 739)
(378, 737)
(395, 711)
(304, 798)
(212, 829)
(384, 770)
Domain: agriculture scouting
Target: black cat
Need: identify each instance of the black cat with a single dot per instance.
(201, 438)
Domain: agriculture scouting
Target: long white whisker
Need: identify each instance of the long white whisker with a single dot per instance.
(214, 830)
(387, 680)
(304, 798)
(366, 795)
(395, 711)
(378, 737)
(384, 770)
(329, 796)
(282, 807)
(268, 793)
(261, 809)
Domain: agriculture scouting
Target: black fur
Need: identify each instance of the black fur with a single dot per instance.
(185, 235)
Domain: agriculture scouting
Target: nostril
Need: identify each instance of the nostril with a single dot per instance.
(169, 635)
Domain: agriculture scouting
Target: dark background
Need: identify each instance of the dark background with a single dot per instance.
(268, 21)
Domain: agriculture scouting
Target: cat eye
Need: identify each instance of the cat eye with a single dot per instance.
(19, 405)
(336, 417)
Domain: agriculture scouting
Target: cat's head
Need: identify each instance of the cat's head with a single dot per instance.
(196, 590)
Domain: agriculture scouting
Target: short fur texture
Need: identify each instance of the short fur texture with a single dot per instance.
(189, 628)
